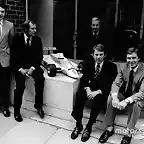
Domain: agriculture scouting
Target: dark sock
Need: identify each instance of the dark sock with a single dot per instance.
(89, 126)
(78, 123)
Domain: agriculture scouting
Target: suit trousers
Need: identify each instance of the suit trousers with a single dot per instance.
(97, 105)
(5, 86)
(20, 86)
(133, 110)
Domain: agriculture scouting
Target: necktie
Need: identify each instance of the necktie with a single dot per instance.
(130, 83)
(97, 71)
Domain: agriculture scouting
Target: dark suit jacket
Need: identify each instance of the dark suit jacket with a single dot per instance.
(23, 57)
(121, 82)
(90, 41)
(107, 75)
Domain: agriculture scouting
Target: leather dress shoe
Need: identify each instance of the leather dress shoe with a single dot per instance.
(85, 135)
(76, 132)
(104, 137)
(18, 118)
(6, 113)
(40, 113)
(126, 139)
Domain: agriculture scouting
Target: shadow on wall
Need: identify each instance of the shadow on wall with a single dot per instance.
(64, 27)
(41, 11)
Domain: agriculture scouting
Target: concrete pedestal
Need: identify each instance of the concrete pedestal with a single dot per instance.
(60, 91)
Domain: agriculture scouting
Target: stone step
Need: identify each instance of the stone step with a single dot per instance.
(120, 123)
(98, 127)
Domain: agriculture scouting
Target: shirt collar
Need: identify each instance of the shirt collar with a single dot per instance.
(26, 37)
(135, 69)
(95, 33)
(100, 64)
(1, 22)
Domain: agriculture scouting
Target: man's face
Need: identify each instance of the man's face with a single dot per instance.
(2, 13)
(98, 56)
(32, 29)
(95, 26)
(132, 60)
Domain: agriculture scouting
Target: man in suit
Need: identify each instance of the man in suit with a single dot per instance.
(95, 84)
(127, 92)
(93, 37)
(26, 58)
(6, 35)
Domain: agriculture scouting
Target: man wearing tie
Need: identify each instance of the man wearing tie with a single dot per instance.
(6, 35)
(127, 92)
(26, 57)
(95, 85)
(92, 38)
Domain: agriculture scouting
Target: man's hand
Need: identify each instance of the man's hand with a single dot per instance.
(115, 103)
(91, 94)
(24, 72)
(122, 105)
(88, 90)
(30, 71)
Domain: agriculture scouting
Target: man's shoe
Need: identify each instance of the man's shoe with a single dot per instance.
(104, 137)
(6, 113)
(76, 132)
(126, 139)
(85, 135)
(18, 117)
(40, 113)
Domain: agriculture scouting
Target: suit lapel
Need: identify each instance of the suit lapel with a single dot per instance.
(103, 68)
(136, 75)
(3, 31)
(22, 38)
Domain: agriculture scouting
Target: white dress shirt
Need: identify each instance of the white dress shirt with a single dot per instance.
(1, 24)
(100, 65)
(26, 37)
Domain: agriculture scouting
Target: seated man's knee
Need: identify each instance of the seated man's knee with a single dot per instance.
(137, 105)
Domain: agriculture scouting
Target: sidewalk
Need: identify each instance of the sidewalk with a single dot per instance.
(50, 130)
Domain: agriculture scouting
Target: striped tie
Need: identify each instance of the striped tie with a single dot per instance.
(97, 71)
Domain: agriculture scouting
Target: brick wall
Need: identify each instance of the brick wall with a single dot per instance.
(16, 12)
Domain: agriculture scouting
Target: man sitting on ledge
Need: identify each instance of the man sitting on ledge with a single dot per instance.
(98, 75)
(127, 92)
(26, 58)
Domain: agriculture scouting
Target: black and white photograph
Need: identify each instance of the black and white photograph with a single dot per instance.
(71, 71)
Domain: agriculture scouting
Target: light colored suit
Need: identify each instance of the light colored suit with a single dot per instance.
(119, 86)
(121, 82)
(5, 42)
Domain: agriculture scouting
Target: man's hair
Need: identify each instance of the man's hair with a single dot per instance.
(3, 6)
(133, 50)
(96, 19)
(99, 47)
(26, 25)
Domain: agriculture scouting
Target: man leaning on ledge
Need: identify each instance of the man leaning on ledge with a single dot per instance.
(26, 58)
(127, 93)
(6, 35)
